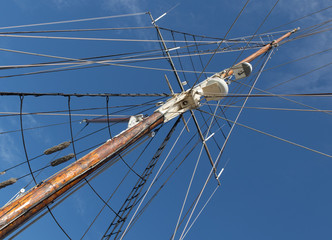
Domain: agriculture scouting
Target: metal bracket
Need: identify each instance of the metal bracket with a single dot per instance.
(133, 120)
(242, 70)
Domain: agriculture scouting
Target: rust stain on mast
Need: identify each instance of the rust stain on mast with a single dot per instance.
(17, 212)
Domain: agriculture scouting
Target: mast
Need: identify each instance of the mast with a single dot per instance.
(20, 210)
(260, 51)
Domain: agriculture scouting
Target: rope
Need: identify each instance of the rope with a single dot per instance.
(75, 155)
(28, 162)
(287, 99)
(295, 20)
(270, 108)
(23, 140)
(118, 186)
(86, 94)
(273, 136)
(109, 132)
(227, 138)
(168, 178)
(219, 45)
(101, 39)
(133, 197)
(76, 20)
(199, 213)
(154, 179)
(187, 193)
(78, 139)
(77, 30)
(304, 74)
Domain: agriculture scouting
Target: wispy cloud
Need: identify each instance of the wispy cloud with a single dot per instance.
(129, 5)
(61, 3)
(80, 205)
(302, 7)
(39, 134)
(317, 80)
(8, 148)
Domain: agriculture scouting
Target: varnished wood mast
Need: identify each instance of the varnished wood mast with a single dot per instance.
(261, 51)
(20, 210)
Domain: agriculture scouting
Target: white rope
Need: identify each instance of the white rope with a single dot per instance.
(187, 193)
(71, 21)
(273, 136)
(112, 62)
(193, 174)
(287, 99)
(270, 108)
(119, 39)
(264, 34)
(102, 39)
(225, 142)
(154, 179)
(207, 202)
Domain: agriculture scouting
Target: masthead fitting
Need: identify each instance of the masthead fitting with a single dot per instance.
(242, 70)
(214, 88)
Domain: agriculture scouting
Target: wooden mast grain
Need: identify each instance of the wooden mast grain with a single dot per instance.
(20, 210)
(17, 212)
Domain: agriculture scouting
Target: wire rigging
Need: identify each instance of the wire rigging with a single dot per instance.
(76, 139)
(300, 18)
(219, 45)
(226, 141)
(232, 97)
(133, 197)
(75, 20)
(23, 140)
(29, 166)
(273, 136)
(299, 76)
(116, 189)
(152, 182)
(272, 108)
(78, 30)
(169, 177)
(109, 132)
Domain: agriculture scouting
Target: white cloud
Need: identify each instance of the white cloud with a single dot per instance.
(127, 6)
(317, 80)
(130, 5)
(299, 8)
(61, 3)
(80, 205)
(8, 148)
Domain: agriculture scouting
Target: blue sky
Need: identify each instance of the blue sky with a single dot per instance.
(270, 189)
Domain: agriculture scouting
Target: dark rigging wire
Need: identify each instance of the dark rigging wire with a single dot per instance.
(298, 19)
(89, 134)
(74, 150)
(219, 45)
(28, 162)
(109, 132)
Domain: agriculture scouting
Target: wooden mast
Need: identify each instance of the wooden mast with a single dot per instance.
(20, 210)
(261, 51)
